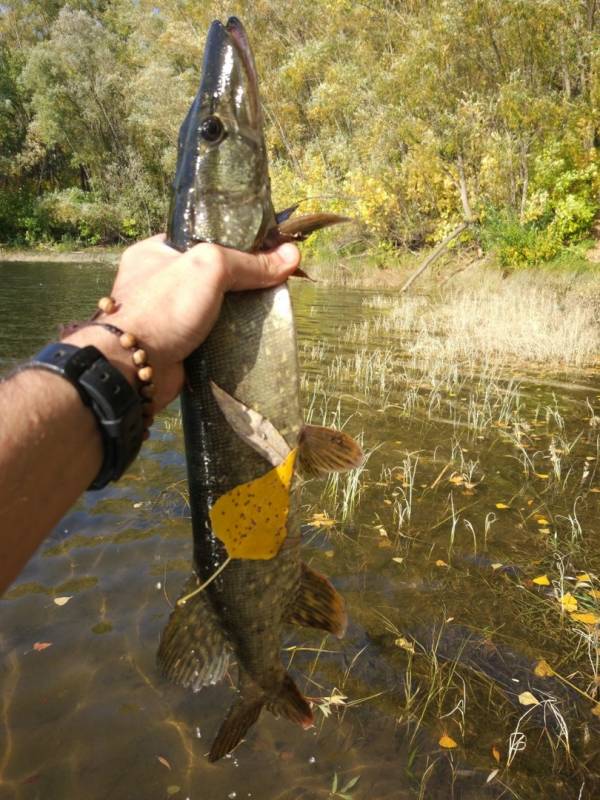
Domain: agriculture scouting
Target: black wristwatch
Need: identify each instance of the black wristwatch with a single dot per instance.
(113, 401)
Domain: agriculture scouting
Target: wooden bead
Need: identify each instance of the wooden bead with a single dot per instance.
(145, 374)
(139, 357)
(127, 340)
(149, 390)
(107, 304)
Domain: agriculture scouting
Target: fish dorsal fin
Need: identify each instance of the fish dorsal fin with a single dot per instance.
(298, 228)
(318, 605)
(193, 651)
(281, 216)
(254, 429)
(325, 450)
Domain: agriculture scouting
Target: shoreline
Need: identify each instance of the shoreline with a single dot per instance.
(95, 255)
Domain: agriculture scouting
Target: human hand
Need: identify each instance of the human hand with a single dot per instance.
(170, 300)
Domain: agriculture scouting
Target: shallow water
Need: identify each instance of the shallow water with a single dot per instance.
(416, 558)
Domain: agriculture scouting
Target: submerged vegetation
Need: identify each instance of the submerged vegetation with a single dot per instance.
(410, 117)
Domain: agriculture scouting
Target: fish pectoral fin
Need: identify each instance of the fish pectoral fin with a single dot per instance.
(193, 652)
(318, 605)
(241, 717)
(299, 228)
(254, 429)
(325, 450)
(291, 704)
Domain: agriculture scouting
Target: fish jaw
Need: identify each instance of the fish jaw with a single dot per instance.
(221, 191)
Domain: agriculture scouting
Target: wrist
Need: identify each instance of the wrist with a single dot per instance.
(109, 346)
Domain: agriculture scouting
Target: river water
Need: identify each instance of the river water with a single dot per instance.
(462, 549)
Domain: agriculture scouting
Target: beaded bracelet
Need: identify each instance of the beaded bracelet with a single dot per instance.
(145, 373)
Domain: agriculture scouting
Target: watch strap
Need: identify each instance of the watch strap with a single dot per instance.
(115, 404)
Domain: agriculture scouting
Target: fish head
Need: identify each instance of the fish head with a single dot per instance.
(222, 189)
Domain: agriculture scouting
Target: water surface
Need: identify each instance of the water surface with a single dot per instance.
(416, 543)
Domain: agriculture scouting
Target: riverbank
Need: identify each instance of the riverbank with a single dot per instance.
(87, 255)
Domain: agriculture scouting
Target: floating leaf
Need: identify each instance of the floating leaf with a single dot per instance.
(456, 479)
(584, 578)
(404, 644)
(502, 505)
(542, 521)
(39, 646)
(545, 531)
(596, 710)
(321, 521)
(497, 565)
(568, 602)
(398, 559)
(492, 775)
(541, 580)
(440, 563)
(171, 790)
(589, 618)
(496, 754)
(164, 762)
(594, 593)
(329, 553)
(543, 669)
(527, 699)
(62, 601)
(543, 475)
(447, 742)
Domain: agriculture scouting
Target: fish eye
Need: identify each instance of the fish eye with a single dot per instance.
(212, 130)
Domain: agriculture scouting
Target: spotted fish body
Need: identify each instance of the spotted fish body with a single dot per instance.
(222, 194)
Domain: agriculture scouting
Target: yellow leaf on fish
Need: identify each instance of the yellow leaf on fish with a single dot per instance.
(568, 602)
(589, 618)
(447, 742)
(527, 699)
(543, 669)
(541, 580)
(251, 519)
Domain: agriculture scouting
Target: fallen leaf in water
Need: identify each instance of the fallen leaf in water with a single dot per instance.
(440, 563)
(39, 646)
(542, 521)
(387, 502)
(596, 710)
(568, 602)
(589, 618)
(594, 593)
(496, 754)
(329, 553)
(404, 644)
(584, 578)
(164, 762)
(321, 521)
(492, 775)
(595, 489)
(527, 699)
(457, 480)
(502, 505)
(447, 742)
(398, 559)
(541, 580)
(497, 565)
(545, 531)
(542, 475)
(171, 790)
(62, 601)
(543, 669)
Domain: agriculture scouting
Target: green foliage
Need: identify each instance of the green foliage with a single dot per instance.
(484, 109)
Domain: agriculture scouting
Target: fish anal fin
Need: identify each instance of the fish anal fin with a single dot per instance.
(318, 605)
(254, 429)
(193, 652)
(291, 704)
(325, 450)
(241, 717)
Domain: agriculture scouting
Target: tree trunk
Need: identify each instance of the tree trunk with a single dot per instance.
(436, 254)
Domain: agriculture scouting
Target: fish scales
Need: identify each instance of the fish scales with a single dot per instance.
(237, 606)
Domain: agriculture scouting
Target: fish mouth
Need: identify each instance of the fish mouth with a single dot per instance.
(229, 67)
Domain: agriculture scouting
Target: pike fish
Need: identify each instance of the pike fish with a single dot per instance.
(244, 436)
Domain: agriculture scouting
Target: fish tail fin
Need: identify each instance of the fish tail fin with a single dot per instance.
(241, 717)
(289, 702)
(193, 651)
